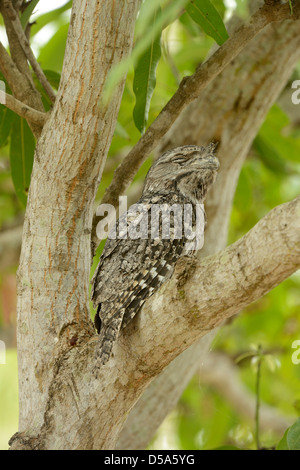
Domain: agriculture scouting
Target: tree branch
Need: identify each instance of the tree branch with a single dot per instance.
(21, 86)
(32, 115)
(53, 275)
(16, 50)
(230, 111)
(189, 89)
(9, 69)
(24, 43)
(203, 294)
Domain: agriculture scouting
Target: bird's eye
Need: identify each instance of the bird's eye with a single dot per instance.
(179, 160)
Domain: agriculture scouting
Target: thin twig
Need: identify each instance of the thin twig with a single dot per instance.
(15, 21)
(189, 89)
(9, 69)
(26, 112)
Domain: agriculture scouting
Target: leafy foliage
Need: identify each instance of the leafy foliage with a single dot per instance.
(291, 438)
(206, 15)
(145, 78)
(21, 157)
(25, 17)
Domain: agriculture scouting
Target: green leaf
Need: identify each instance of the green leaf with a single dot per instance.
(219, 5)
(22, 148)
(270, 157)
(275, 134)
(144, 39)
(54, 80)
(53, 53)
(293, 436)
(283, 445)
(207, 16)
(190, 25)
(245, 355)
(6, 119)
(145, 78)
(25, 17)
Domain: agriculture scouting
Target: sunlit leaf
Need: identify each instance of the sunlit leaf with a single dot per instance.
(207, 16)
(167, 16)
(283, 445)
(219, 4)
(272, 362)
(52, 16)
(246, 355)
(190, 25)
(52, 54)
(6, 120)
(145, 78)
(22, 148)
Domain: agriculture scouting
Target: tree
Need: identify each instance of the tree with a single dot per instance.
(62, 405)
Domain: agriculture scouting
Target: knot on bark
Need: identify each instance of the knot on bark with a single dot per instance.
(22, 441)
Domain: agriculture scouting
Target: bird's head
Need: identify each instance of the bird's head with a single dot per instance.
(190, 170)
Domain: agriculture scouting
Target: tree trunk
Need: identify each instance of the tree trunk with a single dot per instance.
(53, 276)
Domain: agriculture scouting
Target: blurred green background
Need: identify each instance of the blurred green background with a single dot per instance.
(204, 417)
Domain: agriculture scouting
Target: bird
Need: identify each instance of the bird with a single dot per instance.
(132, 268)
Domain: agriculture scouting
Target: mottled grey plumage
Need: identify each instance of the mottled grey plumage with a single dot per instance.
(131, 270)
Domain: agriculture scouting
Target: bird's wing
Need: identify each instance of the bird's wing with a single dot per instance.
(129, 272)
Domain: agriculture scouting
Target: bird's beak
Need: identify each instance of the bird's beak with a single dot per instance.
(210, 163)
(214, 163)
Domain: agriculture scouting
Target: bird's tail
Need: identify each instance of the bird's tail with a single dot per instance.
(107, 338)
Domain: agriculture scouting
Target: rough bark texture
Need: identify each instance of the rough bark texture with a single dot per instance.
(231, 112)
(53, 287)
(62, 405)
(88, 413)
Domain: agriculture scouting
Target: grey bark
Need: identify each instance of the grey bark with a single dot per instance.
(53, 276)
